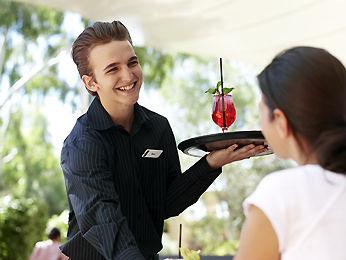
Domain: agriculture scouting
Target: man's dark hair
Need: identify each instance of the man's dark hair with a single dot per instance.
(97, 34)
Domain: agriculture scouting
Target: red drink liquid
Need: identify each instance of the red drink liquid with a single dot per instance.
(229, 111)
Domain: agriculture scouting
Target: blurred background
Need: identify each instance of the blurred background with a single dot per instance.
(41, 96)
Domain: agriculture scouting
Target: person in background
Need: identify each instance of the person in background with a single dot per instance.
(300, 213)
(120, 161)
(49, 249)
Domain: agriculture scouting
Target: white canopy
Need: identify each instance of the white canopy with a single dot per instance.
(250, 31)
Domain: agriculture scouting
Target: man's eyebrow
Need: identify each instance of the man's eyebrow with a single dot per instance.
(133, 58)
(110, 65)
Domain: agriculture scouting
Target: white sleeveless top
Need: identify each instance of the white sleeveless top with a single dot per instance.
(307, 208)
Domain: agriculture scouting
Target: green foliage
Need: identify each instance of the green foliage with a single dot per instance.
(155, 64)
(47, 81)
(29, 21)
(22, 224)
(29, 36)
(60, 222)
(33, 170)
(28, 166)
(208, 230)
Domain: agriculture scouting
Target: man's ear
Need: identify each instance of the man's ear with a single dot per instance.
(89, 83)
(281, 123)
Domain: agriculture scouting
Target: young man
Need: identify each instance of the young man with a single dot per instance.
(120, 161)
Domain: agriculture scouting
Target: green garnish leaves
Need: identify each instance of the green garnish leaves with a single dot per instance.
(211, 90)
(227, 90)
(217, 90)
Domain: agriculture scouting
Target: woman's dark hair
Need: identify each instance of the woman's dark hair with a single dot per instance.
(54, 234)
(309, 85)
(97, 34)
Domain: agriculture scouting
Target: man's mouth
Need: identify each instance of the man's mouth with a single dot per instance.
(128, 87)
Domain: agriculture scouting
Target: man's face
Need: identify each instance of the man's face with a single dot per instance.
(117, 74)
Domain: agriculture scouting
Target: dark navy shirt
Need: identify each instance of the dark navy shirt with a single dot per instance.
(118, 200)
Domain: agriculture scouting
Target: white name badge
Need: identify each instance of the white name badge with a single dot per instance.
(151, 153)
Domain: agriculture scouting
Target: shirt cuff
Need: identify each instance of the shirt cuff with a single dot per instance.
(204, 171)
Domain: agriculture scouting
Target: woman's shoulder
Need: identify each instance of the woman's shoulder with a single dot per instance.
(300, 176)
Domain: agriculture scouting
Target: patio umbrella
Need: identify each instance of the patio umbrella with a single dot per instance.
(248, 31)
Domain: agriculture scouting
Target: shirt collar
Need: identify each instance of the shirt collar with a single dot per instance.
(100, 120)
(140, 118)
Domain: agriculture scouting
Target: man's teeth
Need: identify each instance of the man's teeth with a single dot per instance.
(129, 87)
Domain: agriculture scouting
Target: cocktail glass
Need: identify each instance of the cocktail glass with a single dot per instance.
(224, 113)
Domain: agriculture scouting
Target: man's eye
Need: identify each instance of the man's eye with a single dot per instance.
(133, 63)
(112, 70)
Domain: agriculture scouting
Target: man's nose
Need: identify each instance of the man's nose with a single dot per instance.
(126, 74)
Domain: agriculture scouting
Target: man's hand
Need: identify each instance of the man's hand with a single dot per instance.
(219, 158)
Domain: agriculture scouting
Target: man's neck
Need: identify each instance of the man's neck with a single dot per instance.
(121, 115)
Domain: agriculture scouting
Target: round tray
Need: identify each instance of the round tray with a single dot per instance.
(201, 145)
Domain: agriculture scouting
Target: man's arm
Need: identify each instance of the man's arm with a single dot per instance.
(185, 189)
(90, 188)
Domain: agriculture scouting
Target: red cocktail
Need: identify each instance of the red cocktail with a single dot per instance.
(224, 113)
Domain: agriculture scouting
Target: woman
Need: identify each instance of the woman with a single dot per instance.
(300, 213)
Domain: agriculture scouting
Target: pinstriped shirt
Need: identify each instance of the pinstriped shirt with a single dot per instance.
(118, 200)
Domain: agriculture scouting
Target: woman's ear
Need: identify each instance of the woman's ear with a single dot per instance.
(281, 123)
(89, 83)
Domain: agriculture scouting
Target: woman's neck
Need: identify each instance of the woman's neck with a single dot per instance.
(302, 154)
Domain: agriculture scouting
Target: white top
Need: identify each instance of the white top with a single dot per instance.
(47, 250)
(306, 206)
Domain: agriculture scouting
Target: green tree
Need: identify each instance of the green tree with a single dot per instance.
(31, 168)
(30, 40)
(22, 223)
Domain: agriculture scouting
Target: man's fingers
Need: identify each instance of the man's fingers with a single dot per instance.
(232, 147)
(245, 148)
(250, 150)
(257, 149)
(221, 157)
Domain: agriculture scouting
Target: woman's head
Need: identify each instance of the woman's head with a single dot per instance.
(307, 86)
(54, 234)
(98, 34)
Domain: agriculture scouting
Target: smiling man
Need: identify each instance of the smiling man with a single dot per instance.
(120, 162)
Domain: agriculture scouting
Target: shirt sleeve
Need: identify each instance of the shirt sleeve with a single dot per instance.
(91, 191)
(269, 197)
(184, 189)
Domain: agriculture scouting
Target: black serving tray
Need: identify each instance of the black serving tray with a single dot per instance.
(201, 145)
